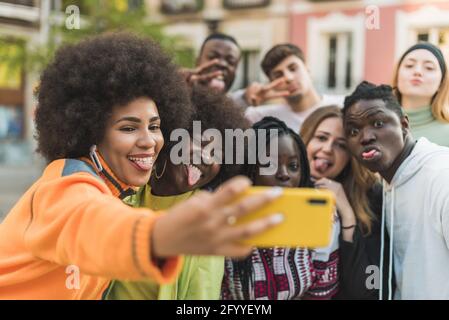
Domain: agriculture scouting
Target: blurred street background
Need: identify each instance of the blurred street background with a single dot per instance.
(345, 41)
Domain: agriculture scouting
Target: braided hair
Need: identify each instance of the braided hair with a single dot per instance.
(244, 267)
(272, 123)
(369, 91)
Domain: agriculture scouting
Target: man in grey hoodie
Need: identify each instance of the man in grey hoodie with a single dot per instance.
(416, 190)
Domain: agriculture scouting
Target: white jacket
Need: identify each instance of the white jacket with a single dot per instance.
(416, 212)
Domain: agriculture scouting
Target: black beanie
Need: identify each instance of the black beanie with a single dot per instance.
(433, 49)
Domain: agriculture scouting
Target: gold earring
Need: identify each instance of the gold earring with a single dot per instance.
(163, 171)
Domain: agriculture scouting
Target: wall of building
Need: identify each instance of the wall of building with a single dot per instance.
(376, 49)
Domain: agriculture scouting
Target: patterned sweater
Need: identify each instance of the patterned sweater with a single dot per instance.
(285, 273)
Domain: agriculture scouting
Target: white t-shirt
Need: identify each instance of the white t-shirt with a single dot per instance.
(285, 113)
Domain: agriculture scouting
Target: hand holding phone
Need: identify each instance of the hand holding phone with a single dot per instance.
(308, 215)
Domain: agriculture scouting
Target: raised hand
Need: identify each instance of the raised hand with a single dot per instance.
(201, 74)
(204, 224)
(257, 93)
(344, 208)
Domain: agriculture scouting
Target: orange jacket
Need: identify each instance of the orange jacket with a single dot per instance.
(70, 234)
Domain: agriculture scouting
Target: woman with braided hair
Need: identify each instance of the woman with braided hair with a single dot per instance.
(280, 273)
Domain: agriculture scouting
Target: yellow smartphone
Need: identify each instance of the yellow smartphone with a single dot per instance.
(308, 216)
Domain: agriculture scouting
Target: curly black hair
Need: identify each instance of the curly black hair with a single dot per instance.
(369, 91)
(216, 111)
(83, 84)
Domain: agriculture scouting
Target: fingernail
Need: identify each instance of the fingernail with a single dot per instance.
(277, 218)
(275, 192)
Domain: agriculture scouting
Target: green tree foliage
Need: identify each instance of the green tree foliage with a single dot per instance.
(97, 16)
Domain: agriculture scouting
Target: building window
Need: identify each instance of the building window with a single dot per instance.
(332, 63)
(436, 36)
(248, 69)
(28, 3)
(20, 13)
(339, 64)
(335, 51)
(244, 4)
(429, 23)
(181, 6)
(422, 36)
(348, 64)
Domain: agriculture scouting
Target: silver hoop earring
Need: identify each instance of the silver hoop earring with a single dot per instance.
(94, 157)
(163, 171)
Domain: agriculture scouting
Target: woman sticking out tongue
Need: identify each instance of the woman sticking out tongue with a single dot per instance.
(171, 183)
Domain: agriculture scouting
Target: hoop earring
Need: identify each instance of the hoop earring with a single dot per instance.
(94, 157)
(163, 171)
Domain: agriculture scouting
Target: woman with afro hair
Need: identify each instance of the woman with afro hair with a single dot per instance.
(105, 106)
(171, 183)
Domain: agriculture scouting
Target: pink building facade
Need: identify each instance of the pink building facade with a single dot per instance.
(346, 42)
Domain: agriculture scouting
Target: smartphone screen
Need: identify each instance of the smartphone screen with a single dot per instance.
(308, 215)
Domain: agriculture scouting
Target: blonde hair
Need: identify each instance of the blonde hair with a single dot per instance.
(356, 180)
(439, 102)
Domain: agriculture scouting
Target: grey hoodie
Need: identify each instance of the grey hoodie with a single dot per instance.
(416, 212)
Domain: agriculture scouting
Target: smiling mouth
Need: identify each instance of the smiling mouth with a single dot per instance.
(321, 165)
(142, 163)
(194, 174)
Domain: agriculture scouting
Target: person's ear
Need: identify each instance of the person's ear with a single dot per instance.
(405, 126)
